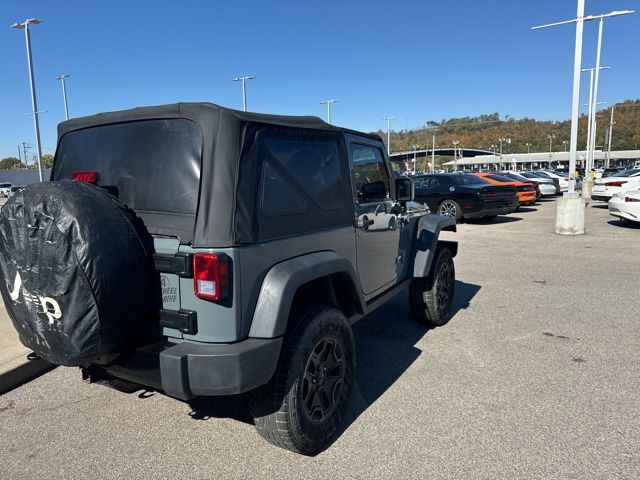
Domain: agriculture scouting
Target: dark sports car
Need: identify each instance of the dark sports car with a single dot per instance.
(463, 195)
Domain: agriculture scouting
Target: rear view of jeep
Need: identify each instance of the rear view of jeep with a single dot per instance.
(167, 251)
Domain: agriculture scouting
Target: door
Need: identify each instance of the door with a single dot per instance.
(377, 226)
(431, 190)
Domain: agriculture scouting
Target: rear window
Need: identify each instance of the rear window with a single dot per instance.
(151, 165)
(500, 178)
(466, 179)
(5, 185)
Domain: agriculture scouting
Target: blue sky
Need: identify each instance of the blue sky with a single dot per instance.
(417, 60)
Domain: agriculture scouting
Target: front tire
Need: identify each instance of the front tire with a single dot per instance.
(432, 297)
(301, 409)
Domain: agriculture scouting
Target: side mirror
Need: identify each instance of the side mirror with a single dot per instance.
(405, 190)
(374, 191)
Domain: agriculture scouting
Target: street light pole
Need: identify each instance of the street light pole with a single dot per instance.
(25, 147)
(610, 137)
(62, 79)
(433, 151)
(455, 154)
(388, 119)
(328, 103)
(577, 61)
(34, 102)
(589, 121)
(243, 79)
(594, 100)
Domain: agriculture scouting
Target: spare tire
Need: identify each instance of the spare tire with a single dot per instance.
(78, 277)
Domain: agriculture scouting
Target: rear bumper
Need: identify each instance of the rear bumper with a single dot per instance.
(600, 197)
(187, 370)
(527, 198)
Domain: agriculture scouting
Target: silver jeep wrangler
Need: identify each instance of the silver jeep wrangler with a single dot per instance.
(269, 237)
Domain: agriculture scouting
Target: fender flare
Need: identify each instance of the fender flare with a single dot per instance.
(427, 237)
(282, 281)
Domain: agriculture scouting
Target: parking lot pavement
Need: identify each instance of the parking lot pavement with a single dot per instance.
(536, 376)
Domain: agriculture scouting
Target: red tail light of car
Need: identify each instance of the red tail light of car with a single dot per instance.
(84, 176)
(631, 199)
(615, 184)
(211, 276)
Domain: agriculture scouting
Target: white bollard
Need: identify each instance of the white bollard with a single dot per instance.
(570, 215)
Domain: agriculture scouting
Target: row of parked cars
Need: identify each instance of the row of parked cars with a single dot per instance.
(621, 191)
(8, 189)
(485, 195)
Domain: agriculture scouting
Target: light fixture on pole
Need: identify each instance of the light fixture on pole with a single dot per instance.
(243, 80)
(575, 103)
(34, 102)
(329, 103)
(62, 79)
(388, 119)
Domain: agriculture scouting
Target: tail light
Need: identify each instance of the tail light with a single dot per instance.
(615, 184)
(84, 176)
(211, 276)
(631, 199)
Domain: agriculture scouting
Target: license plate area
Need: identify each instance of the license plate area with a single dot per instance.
(170, 288)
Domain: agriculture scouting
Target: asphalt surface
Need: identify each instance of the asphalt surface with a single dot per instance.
(536, 376)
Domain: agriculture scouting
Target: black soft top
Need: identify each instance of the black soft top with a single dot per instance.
(223, 133)
(205, 114)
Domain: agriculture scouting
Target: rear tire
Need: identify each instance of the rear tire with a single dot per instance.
(450, 208)
(301, 409)
(432, 297)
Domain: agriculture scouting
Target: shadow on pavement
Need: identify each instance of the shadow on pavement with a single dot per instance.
(385, 349)
(385, 344)
(493, 221)
(527, 209)
(234, 406)
(625, 224)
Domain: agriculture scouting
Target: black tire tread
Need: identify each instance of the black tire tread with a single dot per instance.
(275, 426)
(424, 302)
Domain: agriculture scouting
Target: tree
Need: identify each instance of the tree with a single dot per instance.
(47, 160)
(9, 163)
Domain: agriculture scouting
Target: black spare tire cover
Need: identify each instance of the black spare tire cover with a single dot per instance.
(78, 279)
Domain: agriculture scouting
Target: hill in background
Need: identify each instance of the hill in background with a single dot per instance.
(486, 130)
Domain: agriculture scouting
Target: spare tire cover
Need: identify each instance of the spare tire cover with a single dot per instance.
(78, 279)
